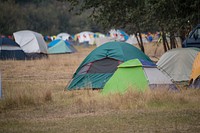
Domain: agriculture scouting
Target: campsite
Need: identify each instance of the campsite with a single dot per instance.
(36, 101)
(73, 66)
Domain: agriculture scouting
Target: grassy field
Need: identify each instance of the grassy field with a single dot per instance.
(34, 100)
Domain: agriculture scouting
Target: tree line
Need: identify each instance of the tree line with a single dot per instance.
(50, 17)
(176, 17)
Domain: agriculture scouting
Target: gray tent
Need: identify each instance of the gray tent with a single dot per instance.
(32, 43)
(177, 63)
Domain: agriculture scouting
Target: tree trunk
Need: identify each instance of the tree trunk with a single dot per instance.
(182, 34)
(140, 42)
(165, 43)
(172, 41)
(142, 46)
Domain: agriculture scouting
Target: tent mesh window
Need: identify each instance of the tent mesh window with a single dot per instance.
(105, 65)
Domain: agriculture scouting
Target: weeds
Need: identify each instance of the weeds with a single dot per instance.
(36, 82)
(90, 101)
(21, 97)
(29, 84)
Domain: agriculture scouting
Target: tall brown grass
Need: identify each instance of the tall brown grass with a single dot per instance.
(42, 82)
(22, 97)
(93, 101)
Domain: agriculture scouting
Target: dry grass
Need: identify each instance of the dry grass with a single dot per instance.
(94, 102)
(34, 100)
(21, 97)
(36, 82)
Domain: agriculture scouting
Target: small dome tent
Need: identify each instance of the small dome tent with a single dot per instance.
(84, 36)
(101, 63)
(32, 43)
(59, 46)
(137, 74)
(177, 63)
(63, 36)
(195, 75)
(10, 50)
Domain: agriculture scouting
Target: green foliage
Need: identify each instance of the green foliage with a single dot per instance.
(147, 14)
(10, 17)
(135, 16)
(48, 17)
(52, 17)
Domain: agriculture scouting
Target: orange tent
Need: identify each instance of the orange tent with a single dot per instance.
(195, 74)
(195, 68)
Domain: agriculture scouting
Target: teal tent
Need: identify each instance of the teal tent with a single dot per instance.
(59, 46)
(101, 63)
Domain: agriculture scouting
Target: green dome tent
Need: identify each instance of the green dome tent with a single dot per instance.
(137, 75)
(101, 63)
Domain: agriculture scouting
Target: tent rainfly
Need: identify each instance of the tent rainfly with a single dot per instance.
(32, 43)
(59, 46)
(10, 50)
(101, 63)
(138, 75)
(177, 63)
(195, 75)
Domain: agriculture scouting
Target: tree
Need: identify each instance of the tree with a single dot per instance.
(126, 14)
(10, 18)
(173, 17)
(48, 17)
(169, 15)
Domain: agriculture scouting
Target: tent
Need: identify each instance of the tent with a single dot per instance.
(32, 43)
(177, 63)
(132, 40)
(60, 46)
(137, 74)
(99, 39)
(102, 40)
(10, 50)
(195, 75)
(101, 63)
(124, 34)
(98, 35)
(84, 36)
(63, 36)
(119, 35)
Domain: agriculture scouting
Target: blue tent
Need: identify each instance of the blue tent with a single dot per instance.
(126, 36)
(10, 50)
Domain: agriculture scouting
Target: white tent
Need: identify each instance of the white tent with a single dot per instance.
(85, 36)
(116, 34)
(102, 40)
(63, 36)
(96, 40)
(132, 40)
(30, 41)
